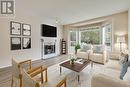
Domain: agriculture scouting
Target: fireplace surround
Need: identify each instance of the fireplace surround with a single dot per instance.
(49, 49)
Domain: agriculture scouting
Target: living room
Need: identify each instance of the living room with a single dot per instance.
(97, 24)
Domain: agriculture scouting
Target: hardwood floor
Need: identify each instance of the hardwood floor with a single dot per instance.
(5, 73)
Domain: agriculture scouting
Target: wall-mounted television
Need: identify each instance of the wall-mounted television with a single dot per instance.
(48, 31)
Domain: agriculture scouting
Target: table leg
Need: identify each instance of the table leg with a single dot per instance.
(78, 78)
(60, 70)
(91, 64)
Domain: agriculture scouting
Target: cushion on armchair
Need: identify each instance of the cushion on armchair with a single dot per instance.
(85, 48)
(98, 49)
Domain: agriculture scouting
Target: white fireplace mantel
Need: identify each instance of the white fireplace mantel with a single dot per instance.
(48, 41)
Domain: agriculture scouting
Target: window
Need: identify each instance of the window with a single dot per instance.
(107, 35)
(91, 36)
(73, 38)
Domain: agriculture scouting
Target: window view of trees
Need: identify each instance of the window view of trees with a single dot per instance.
(91, 36)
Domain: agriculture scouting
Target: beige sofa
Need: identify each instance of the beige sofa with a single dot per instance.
(99, 57)
(102, 80)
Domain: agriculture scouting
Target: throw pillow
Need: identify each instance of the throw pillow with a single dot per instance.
(85, 48)
(98, 49)
(124, 58)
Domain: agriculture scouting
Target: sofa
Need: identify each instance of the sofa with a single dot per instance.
(99, 54)
(103, 80)
(84, 51)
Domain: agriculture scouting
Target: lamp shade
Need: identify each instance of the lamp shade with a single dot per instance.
(121, 39)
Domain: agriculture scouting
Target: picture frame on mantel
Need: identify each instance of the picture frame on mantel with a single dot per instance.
(26, 42)
(26, 29)
(15, 43)
(15, 28)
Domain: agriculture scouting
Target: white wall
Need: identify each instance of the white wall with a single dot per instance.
(35, 52)
(129, 28)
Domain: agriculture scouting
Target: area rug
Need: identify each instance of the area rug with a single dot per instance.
(54, 75)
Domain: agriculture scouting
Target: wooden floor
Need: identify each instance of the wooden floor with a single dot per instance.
(5, 73)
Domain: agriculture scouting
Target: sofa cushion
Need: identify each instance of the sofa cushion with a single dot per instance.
(123, 58)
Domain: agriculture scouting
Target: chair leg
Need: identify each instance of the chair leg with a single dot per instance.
(41, 76)
(65, 84)
(46, 79)
(21, 80)
(12, 82)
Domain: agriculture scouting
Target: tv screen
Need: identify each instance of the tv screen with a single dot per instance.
(48, 31)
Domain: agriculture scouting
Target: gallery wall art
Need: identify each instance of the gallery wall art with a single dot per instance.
(18, 31)
(15, 43)
(26, 43)
(15, 28)
(26, 29)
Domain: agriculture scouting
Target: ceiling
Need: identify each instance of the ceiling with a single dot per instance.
(70, 11)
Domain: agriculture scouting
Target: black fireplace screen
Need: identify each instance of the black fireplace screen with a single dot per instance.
(49, 49)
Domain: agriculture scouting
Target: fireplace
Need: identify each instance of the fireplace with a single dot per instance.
(49, 49)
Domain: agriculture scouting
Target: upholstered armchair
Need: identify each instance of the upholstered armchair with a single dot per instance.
(28, 81)
(84, 51)
(99, 54)
(17, 72)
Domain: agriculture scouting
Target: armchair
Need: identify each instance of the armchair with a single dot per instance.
(17, 72)
(84, 51)
(28, 81)
(99, 54)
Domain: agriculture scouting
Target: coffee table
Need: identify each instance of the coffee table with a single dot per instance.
(77, 67)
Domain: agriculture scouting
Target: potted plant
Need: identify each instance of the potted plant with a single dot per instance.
(72, 60)
(77, 46)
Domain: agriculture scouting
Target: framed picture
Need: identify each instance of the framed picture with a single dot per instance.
(26, 43)
(15, 43)
(15, 28)
(26, 29)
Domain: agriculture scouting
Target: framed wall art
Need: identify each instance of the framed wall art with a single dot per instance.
(26, 29)
(15, 43)
(15, 28)
(26, 42)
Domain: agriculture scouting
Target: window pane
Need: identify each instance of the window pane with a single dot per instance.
(92, 36)
(73, 43)
(108, 36)
(72, 36)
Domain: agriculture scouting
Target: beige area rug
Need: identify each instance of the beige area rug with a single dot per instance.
(85, 75)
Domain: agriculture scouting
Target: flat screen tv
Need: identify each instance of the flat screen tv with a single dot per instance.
(48, 31)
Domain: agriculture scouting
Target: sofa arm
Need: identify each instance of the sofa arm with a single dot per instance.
(102, 80)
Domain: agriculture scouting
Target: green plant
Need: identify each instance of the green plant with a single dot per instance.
(77, 46)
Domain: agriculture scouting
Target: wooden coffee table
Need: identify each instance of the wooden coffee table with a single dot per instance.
(77, 67)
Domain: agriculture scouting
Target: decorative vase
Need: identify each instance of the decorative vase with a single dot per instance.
(72, 62)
